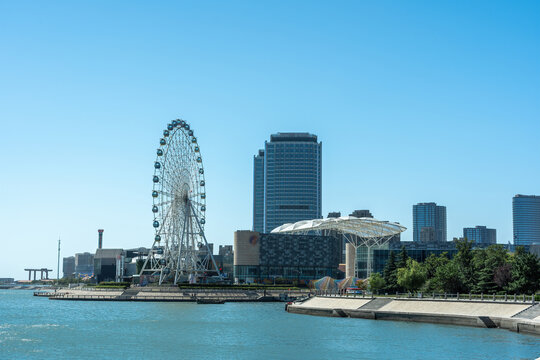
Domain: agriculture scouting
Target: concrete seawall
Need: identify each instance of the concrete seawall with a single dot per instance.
(519, 317)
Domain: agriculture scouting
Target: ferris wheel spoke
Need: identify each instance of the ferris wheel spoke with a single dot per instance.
(164, 203)
(165, 193)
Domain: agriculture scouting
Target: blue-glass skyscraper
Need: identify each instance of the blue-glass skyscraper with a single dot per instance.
(526, 217)
(429, 222)
(480, 235)
(287, 181)
(258, 192)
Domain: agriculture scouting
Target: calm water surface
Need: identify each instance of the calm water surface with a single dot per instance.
(38, 328)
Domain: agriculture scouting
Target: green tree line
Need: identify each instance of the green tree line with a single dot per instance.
(489, 271)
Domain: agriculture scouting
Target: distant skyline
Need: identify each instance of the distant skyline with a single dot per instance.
(413, 102)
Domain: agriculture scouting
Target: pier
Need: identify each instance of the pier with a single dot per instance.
(175, 294)
(42, 270)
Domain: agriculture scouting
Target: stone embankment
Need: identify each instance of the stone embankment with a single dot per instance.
(515, 316)
(173, 294)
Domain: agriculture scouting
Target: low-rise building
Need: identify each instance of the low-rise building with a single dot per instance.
(418, 251)
(109, 265)
(84, 264)
(267, 257)
(226, 260)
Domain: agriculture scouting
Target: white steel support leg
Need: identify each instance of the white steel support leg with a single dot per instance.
(207, 247)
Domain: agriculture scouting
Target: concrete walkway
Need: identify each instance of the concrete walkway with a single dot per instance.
(520, 317)
(455, 307)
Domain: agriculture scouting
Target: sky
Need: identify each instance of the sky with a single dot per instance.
(415, 101)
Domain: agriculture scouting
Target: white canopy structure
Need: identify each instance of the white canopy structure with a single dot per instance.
(367, 232)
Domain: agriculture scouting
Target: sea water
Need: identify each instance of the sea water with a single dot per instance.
(38, 328)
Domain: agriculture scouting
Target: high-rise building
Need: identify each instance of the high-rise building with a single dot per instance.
(287, 181)
(258, 192)
(428, 235)
(429, 215)
(480, 235)
(68, 266)
(526, 217)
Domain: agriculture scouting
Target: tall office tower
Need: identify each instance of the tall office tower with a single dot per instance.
(480, 235)
(428, 235)
(258, 192)
(429, 215)
(526, 217)
(291, 181)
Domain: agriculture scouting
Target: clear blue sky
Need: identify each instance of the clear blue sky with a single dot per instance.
(413, 101)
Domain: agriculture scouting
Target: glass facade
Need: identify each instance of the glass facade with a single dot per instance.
(269, 274)
(290, 257)
(526, 218)
(290, 172)
(258, 192)
(480, 235)
(432, 220)
(415, 250)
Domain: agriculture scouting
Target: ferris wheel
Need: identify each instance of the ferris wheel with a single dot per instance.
(180, 251)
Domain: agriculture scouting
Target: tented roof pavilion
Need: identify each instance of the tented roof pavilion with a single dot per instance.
(367, 232)
(366, 228)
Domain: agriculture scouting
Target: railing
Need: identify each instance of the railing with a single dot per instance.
(521, 298)
(98, 289)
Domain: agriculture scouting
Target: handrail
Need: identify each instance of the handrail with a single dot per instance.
(506, 298)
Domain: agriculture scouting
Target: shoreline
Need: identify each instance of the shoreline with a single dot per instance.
(518, 317)
(172, 294)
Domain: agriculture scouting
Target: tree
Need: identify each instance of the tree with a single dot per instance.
(503, 276)
(525, 272)
(376, 282)
(403, 257)
(430, 265)
(411, 277)
(485, 262)
(464, 261)
(390, 273)
(449, 278)
(433, 262)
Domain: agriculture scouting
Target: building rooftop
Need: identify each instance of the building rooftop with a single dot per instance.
(300, 137)
(108, 253)
(362, 227)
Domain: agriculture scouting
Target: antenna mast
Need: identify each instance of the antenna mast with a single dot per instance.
(58, 268)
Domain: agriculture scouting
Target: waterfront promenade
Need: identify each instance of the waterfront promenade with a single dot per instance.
(516, 315)
(173, 294)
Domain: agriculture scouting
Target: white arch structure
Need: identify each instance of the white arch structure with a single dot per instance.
(367, 232)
